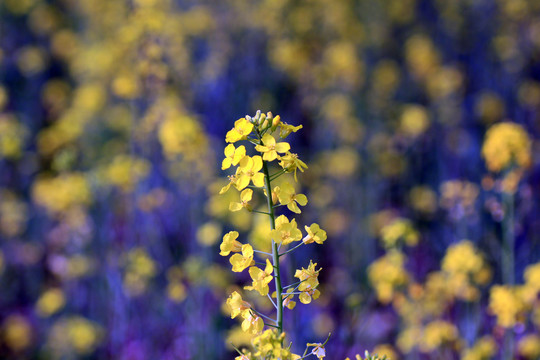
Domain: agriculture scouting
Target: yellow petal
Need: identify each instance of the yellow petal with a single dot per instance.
(234, 206)
(282, 147)
(301, 199)
(293, 207)
(229, 150)
(226, 163)
(242, 182)
(246, 195)
(258, 180)
(257, 163)
(268, 140)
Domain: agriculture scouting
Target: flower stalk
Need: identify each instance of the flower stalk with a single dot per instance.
(265, 133)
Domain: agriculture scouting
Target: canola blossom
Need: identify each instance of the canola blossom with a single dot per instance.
(281, 232)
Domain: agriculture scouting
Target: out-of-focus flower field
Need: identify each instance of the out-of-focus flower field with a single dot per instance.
(420, 130)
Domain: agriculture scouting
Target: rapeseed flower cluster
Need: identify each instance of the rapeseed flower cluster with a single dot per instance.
(252, 179)
(507, 144)
(507, 150)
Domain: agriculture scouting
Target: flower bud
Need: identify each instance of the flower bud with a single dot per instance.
(275, 122)
(262, 118)
(275, 198)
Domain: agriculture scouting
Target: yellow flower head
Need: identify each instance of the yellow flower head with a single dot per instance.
(285, 232)
(270, 148)
(399, 229)
(505, 144)
(51, 301)
(290, 162)
(233, 156)
(237, 304)
(249, 171)
(242, 128)
(230, 244)
(506, 305)
(241, 262)
(314, 234)
(245, 198)
(309, 277)
(261, 278)
(436, 334)
(288, 196)
(252, 323)
(529, 346)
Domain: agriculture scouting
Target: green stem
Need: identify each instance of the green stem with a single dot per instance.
(507, 262)
(275, 253)
(292, 249)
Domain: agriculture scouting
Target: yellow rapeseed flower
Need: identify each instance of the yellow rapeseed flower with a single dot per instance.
(506, 305)
(230, 244)
(252, 323)
(285, 232)
(242, 128)
(232, 156)
(287, 196)
(290, 163)
(245, 197)
(261, 278)
(249, 171)
(309, 277)
(314, 234)
(237, 305)
(270, 148)
(241, 262)
(505, 144)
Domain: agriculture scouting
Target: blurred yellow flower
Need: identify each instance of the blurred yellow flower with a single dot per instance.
(484, 348)
(61, 193)
(208, 233)
(399, 229)
(51, 301)
(414, 120)
(436, 334)
(506, 144)
(74, 334)
(505, 305)
(529, 347)
(17, 332)
(12, 137)
(126, 171)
